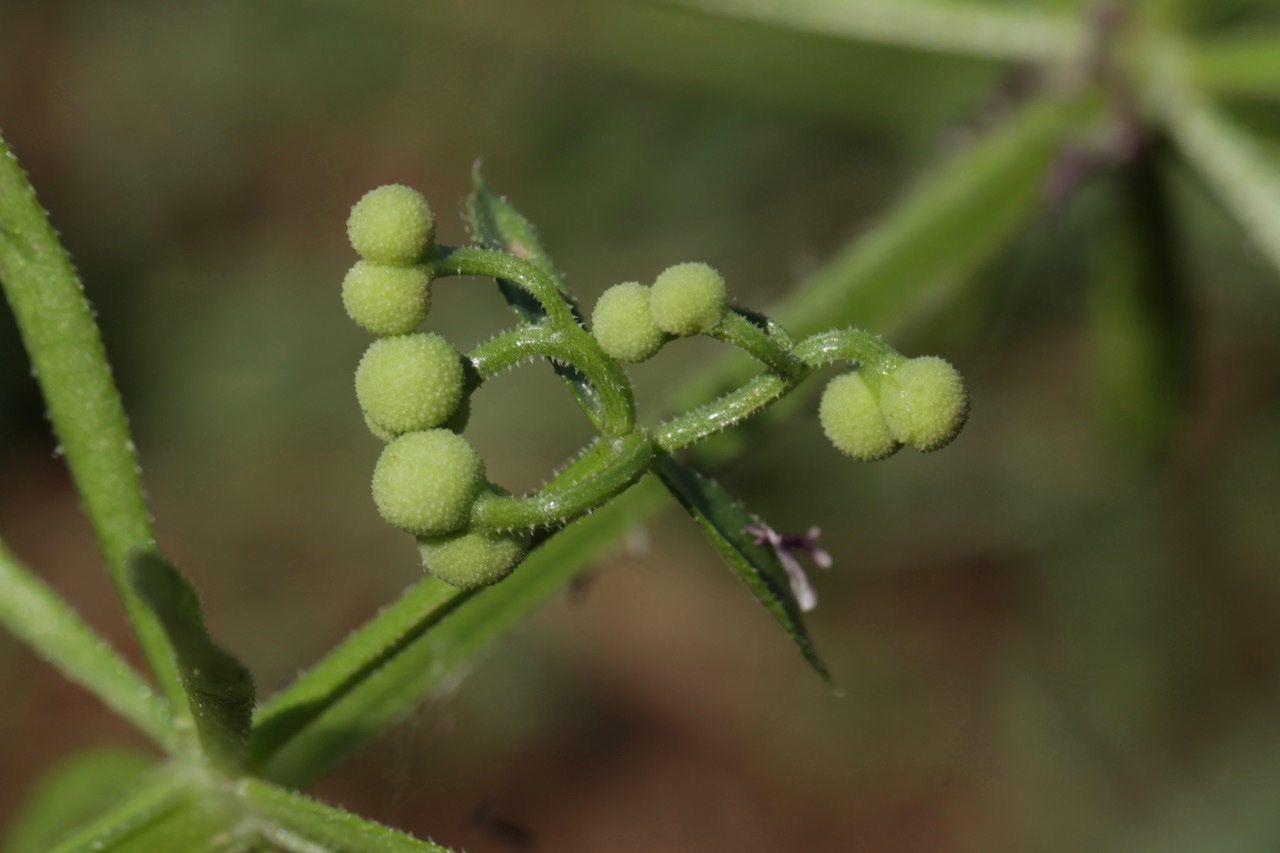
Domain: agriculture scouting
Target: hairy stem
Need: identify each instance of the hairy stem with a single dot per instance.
(70, 363)
(574, 344)
(609, 468)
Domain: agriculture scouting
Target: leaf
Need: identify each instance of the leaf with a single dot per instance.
(967, 28)
(158, 815)
(70, 363)
(350, 664)
(495, 224)
(219, 688)
(725, 520)
(37, 615)
(75, 791)
(1247, 64)
(475, 623)
(1244, 176)
(302, 824)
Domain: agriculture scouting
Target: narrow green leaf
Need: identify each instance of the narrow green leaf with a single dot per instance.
(964, 211)
(496, 224)
(483, 617)
(60, 335)
(71, 794)
(298, 823)
(150, 806)
(219, 688)
(1245, 177)
(1247, 64)
(725, 521)
(38, 616)
(968, 28)
(347, 666)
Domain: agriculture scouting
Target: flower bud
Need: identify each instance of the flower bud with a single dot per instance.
(426, 482)
(622, 325)
(408, 383)
(392, 224)
(851, 418)
(688, 299)
(925, 402)
(473, 558)
(386, 300)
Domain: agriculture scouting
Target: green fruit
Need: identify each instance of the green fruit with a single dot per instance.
(924, 402)
(473, 558)
(850, 417)
(409, 383)
(688, 299)
(622, 325)
(386, 300)
(426, 482)
(391, 225)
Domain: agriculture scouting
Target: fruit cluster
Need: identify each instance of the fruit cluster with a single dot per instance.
(411, 387)
(414, 387)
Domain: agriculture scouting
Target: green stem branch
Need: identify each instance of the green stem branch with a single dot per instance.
(70, 363)
(610, 467)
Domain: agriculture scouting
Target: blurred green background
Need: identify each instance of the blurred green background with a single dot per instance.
(1042, 644)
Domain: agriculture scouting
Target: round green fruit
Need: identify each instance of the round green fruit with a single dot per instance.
(622, 325)
(409, 382)
(925, 402)
(425, 482)
(391, 225)
(473, 558)
(688, 299)
(850, 417)
(386, 300)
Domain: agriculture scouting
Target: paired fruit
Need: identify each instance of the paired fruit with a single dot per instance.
(921, 403)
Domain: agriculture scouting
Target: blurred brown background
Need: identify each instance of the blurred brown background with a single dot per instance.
(1042, 645)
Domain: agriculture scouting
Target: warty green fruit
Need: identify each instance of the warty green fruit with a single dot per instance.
(473, 558)
(851, 419)
(925, 402)
(688, 299)
(392, 224)
(425, 482)
(409, 383)
(386, 300)
(622, 324)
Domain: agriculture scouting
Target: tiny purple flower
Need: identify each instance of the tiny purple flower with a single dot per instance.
(785, 545)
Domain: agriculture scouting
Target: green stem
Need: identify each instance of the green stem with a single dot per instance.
(573, 344)
(278, 720)
(610, 467)
(70, 363)
(38, 615)
(739, 330)
(729, 410)
(489, 263)
(853, 345)
(761, 391)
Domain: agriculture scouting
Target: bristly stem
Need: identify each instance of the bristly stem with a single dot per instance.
(37, 615)
(614, 465)
(70, 363)
(579, 348)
